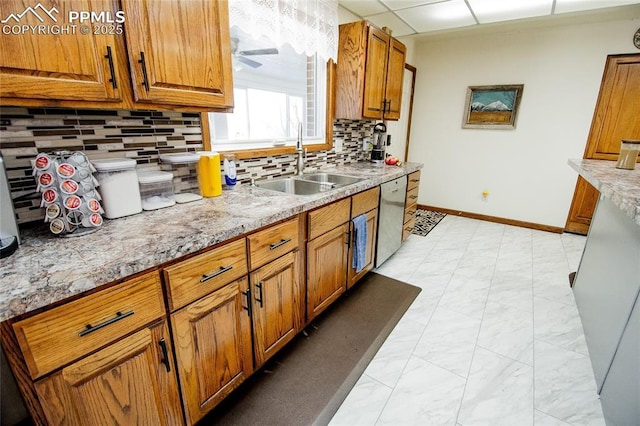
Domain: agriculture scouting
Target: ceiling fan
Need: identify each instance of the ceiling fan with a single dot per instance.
(240, 54)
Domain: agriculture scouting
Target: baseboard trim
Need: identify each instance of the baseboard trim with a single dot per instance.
(505, 221)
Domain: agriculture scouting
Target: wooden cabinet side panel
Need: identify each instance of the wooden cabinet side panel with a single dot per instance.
(395, 79)
(352, 56)
(585, 198)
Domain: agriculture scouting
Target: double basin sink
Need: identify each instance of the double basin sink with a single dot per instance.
(308, 184)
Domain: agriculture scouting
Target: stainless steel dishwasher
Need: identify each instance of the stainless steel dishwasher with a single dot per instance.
(390, 218)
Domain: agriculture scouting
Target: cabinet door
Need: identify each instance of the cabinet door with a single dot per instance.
(130, 382)
(213, 347)
(375, 73)
(326, 269)
(395, 78)
(277, 305)
(372, 223)
(57, 66)
(179, 52)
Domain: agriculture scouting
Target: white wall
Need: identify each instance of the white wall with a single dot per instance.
(525, 170)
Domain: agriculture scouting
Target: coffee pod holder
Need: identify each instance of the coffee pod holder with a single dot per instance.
(72, 204)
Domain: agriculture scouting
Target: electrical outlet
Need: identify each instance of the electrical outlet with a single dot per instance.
(365, 144)
(337, 145)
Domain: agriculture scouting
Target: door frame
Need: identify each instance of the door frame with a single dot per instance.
(413, 88)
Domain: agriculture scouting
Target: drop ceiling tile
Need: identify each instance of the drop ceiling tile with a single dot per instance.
(398, 27)
(403, 4)
(565, 6)
(499, 10)
(364, 7)
(438, 16)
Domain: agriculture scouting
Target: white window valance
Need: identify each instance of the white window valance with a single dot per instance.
(309, 26)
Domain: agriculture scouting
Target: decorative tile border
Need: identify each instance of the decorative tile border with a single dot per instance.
(140, 135)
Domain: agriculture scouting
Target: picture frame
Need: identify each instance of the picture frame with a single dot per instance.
(492, 107)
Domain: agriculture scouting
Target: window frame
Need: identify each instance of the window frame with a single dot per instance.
(263, 152)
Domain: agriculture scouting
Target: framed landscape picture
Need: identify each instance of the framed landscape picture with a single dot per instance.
(492, 107)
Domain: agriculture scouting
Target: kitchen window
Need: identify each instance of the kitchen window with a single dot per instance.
(275, 89)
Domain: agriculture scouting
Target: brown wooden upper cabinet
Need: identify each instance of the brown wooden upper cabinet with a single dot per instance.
(369, 73)
(153, 54)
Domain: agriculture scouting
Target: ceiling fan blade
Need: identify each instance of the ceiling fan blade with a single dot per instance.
(249, 62)
(269, 51)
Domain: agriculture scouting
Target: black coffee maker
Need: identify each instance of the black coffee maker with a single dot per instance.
(379, 143)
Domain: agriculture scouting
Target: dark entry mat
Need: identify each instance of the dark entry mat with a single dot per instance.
(306, 382)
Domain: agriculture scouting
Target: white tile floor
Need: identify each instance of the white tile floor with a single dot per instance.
(494, 338)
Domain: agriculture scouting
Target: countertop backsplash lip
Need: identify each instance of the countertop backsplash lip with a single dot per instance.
(621, 186)
(47, 269)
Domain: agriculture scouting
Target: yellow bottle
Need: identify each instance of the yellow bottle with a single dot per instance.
(209, 175)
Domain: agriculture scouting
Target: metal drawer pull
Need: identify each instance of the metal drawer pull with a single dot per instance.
(91, 328)
(165, 354)
(222, 270)
(413, 197)
(278, 244)
(145, 77)
(109, 57)
(259, 298)
(247, 294)
(415, 180)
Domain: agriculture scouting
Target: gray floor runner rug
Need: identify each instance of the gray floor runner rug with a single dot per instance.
(306, 382)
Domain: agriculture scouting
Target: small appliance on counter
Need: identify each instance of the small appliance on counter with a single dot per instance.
(9, 233)
(380, 142)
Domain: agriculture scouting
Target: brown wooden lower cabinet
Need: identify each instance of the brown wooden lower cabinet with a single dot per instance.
(213, 347)
(277, 305)
(326, 269)
(130, 382)
(585, 198)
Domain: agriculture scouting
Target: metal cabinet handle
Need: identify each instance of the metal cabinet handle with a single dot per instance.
(222, 270)
(109, 57)
(414, 180)
(165, 355)
(145, 77)
(413, 197)
(279, 243)
(247, 294)
(91, 328)
(259, 298)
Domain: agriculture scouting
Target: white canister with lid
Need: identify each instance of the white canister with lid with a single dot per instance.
(156, 189)
(118, 186)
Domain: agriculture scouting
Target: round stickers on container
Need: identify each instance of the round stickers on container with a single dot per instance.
(69, 196)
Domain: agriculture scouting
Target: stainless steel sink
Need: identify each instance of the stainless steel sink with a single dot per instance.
(337, 180)
(295, 186)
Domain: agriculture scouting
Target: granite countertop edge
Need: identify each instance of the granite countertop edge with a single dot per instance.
(621, 186)
(47, 269)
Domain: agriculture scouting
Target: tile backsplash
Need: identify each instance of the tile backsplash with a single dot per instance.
(140, 135)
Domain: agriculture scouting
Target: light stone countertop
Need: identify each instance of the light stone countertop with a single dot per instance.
(621, 186)
(47, 269)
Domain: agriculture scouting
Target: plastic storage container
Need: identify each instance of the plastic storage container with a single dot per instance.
(156, 189)
(209, 174)
(118, 186)
(185, 181)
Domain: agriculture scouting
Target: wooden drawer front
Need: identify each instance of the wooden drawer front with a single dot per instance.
(413, 180)
(202, 274)
(408, 227)
(410, 212)
(56, 337)
(412, 196)
(329, 217)
(264, 246)
(365, 201)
